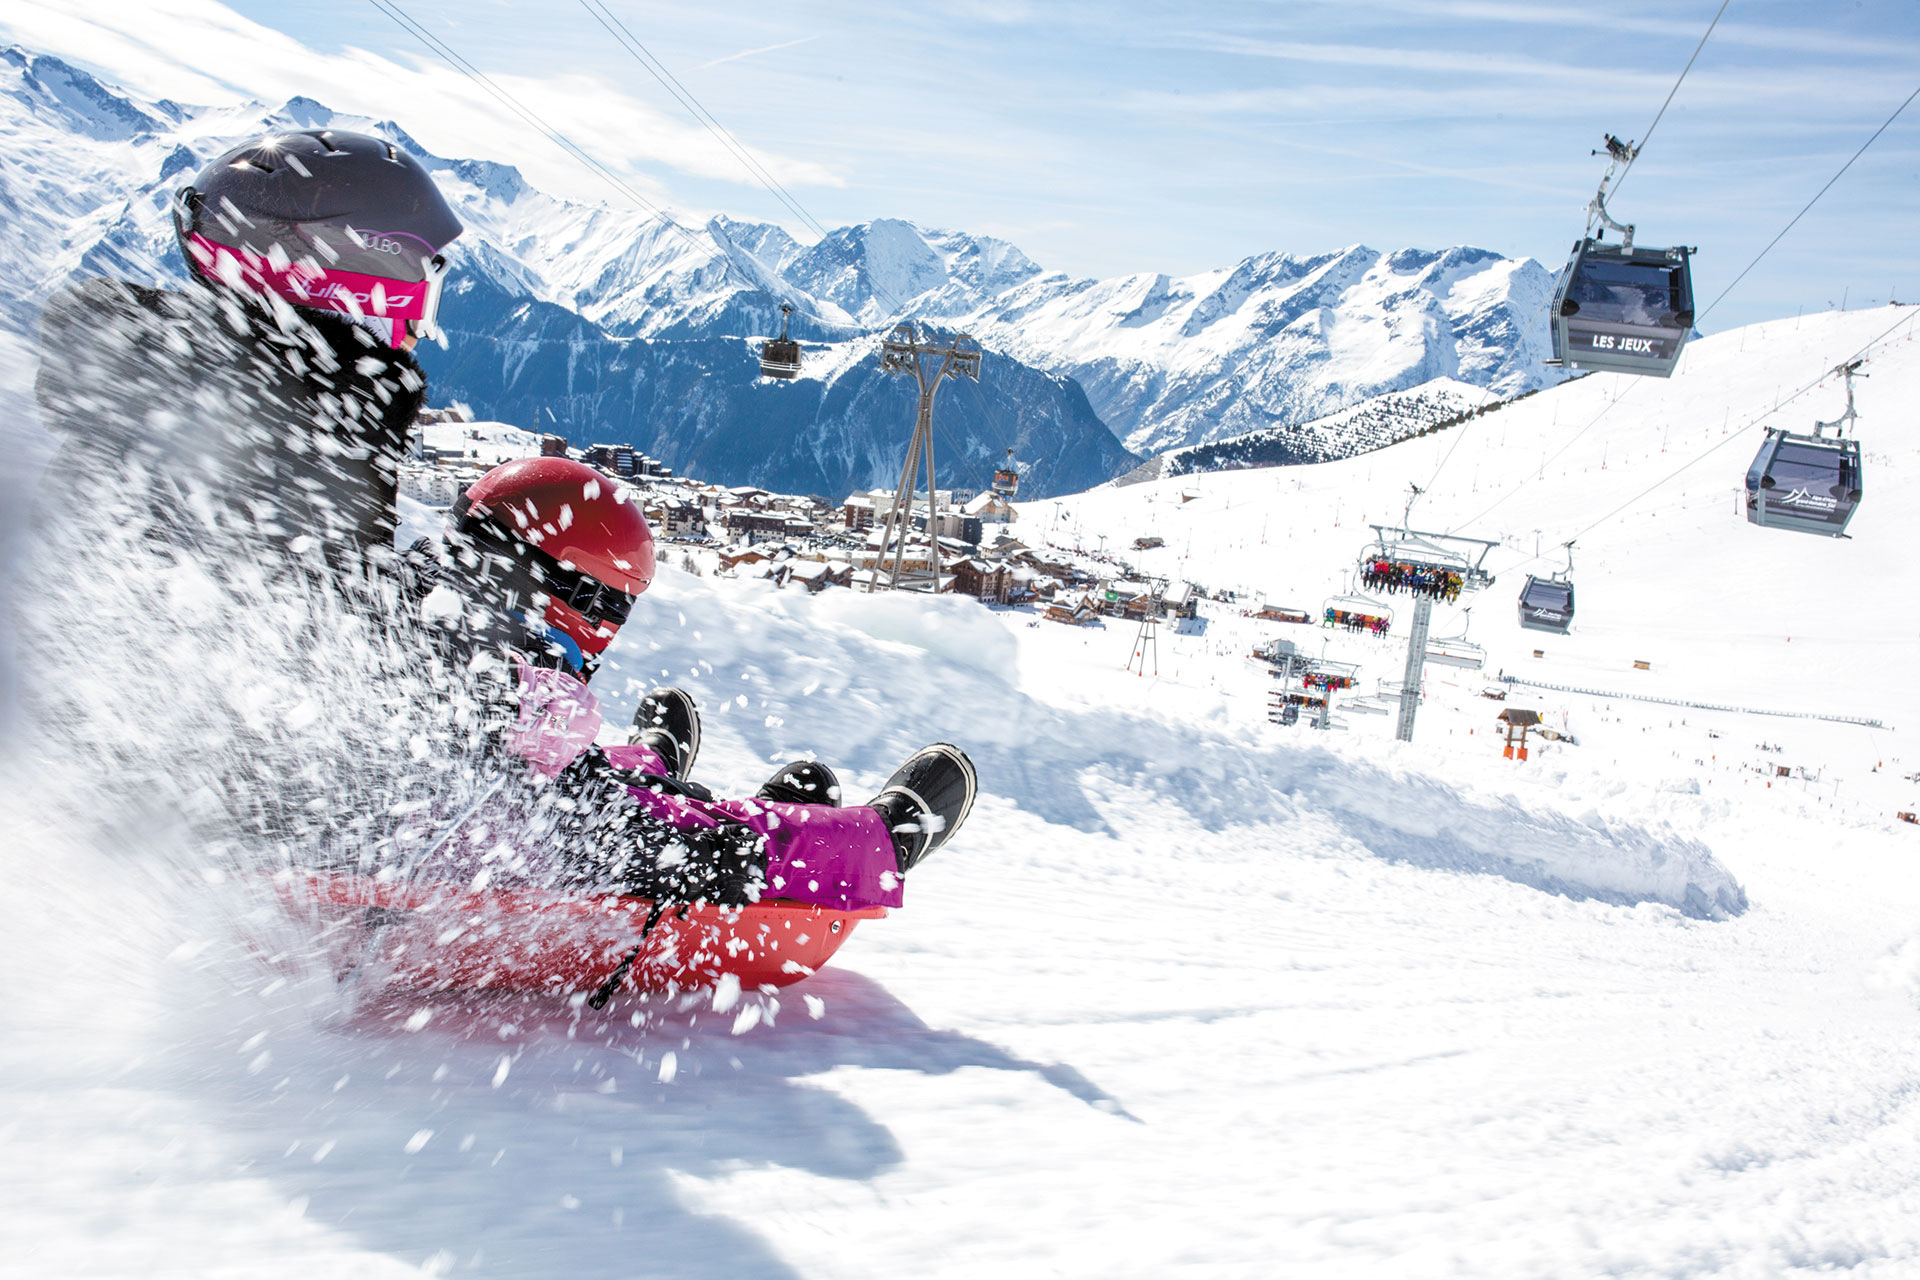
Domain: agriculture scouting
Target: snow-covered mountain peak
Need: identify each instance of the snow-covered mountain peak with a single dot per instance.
(61, 93)
(1272, 340)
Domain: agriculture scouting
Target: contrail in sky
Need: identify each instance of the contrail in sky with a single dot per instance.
(748, 53)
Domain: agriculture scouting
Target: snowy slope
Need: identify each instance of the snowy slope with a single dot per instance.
(1191, 994)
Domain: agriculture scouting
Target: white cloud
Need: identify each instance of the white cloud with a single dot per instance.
(202, 52)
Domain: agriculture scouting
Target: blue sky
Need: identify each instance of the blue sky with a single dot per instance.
(1112, 138)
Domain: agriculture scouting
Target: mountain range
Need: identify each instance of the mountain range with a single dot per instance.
(600, 324)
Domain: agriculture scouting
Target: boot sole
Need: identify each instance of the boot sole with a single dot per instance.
(693, 726)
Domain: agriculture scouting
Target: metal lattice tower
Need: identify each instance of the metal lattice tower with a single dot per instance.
(1148, 637)
(1436, 552)
(903, 352)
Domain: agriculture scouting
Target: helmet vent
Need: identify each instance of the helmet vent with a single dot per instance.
(392, 154)
(325, 139)
(252, 162)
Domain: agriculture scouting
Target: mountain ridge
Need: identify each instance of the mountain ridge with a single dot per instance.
(1157, 361)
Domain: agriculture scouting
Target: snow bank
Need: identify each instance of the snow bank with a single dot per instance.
(861, 680)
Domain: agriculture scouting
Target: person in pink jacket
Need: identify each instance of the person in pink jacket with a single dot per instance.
(542, 560)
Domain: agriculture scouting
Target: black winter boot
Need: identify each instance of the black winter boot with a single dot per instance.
(926, 800)
(802, 782)
(667, 721)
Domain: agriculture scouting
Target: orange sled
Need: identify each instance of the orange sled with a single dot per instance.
(439, 936)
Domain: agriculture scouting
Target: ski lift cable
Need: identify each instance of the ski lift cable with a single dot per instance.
(648, 59)
(671, 83)
(419, 31)
(414, 27)
(1648, 135)
(639, 52)
(1816, 197)
(1511, 490)
(1736, 434)
(1638, 147)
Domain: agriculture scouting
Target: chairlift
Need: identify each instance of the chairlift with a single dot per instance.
(1457, 651)
(1546, 604)
(780, 357)
(1006, 480)
(1355, 611)
(1619, 307)
(1428, 552)
(1810, 483)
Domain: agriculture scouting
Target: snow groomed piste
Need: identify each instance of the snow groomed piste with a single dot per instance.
(1641, 1004)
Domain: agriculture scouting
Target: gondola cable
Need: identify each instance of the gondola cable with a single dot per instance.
(1816, 196)
(623, 35)
(1858, 355)
(414, 27)
(419, 31)
(1648, 135)
(1608, 408)
(1634, 154)
(639, 52)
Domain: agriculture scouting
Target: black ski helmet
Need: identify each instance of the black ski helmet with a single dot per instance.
(325, 219)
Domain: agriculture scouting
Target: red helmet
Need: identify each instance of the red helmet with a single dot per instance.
(558, 529)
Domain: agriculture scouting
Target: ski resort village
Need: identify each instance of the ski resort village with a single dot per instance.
(591, 689)
(805, 541)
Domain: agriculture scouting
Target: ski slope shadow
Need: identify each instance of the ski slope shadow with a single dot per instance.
(523, 1137)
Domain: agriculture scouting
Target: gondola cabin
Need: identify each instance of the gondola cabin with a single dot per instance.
(1810, 484)
(780, 357)
(1628, 310)
(1546, 604)
(1006, 479)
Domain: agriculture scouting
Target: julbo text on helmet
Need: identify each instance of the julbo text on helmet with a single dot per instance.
(556, 530)
(323, 219)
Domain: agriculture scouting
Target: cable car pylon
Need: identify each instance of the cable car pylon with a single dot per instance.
(903, 352)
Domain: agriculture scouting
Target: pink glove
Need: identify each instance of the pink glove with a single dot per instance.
(559, 717)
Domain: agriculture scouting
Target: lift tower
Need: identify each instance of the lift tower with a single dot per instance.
(903, 352)
(1436, 557)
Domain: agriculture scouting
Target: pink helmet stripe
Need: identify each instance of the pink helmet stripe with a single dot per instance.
(308, 285)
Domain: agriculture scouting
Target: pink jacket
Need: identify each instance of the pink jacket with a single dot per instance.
(817, 853)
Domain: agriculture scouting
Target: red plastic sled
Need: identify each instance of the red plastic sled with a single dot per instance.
(439, 936)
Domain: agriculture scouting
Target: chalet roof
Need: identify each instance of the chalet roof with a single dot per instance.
(1519, 719)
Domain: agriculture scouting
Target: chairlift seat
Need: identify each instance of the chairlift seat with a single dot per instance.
(1546, 604)
(1623, 310)
(1807, 483)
